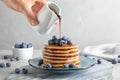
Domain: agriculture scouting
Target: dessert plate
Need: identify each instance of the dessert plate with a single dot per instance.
(86, 62)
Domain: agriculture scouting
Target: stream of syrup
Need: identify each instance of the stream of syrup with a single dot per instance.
(59, 17)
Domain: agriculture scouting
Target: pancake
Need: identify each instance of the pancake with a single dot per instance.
(58, 65)
(60, 55)
(61, 51)
(59, 58)
(61, 61)
(64, 47)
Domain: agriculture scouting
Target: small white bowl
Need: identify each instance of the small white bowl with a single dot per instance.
(22, 53)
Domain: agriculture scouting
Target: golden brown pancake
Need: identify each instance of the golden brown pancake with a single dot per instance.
(77, 63)
(64, 47)
(60, 55)
(61, 51)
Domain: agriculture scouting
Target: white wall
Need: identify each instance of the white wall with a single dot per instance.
(87, 22)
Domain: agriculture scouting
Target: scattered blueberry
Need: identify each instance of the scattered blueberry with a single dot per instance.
(29, 45)
(99, 61)
(8, 64)
(24, 45)
(17, 70)
(40, 62)
(2, 65)
(65, 66)
(17, 45)
(48, 66)
(12, 59)
(114, 61)
(86, 55)
(25, 70)
(93, 58)
(118, 56)
(50, 42)
(6, 56)
(17, 58)
(72, 65)
(54, 38)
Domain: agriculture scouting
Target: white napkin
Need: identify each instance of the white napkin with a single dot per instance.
(106, 51)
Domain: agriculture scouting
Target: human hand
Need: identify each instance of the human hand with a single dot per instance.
(29, 8)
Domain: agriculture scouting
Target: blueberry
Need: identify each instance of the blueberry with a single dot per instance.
(48, 66)
(17, 45)
(99, 61)
(65, 66)
(25, 70)
(50, 42)
(118, 56)
(12, 59)
(40, 62)
(64, 38)
(69, 42)
(29, 45)
(6, 56)
(20, 45)
(2, 65)
(8, 64)
(86, 55)
(65, 42)
(93, 58)
(17, 58)
(17, 70)
(114, 61)
(72, 65)
(57, 42)
(24, 45)
(54, 38)
(61, 43)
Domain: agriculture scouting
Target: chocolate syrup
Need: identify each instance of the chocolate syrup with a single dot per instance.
(59, 17)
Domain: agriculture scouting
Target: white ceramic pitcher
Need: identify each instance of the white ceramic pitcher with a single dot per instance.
(47, 17)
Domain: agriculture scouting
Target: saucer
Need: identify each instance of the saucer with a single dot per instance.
(85, 63)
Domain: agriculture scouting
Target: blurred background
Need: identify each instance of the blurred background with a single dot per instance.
(86, 22)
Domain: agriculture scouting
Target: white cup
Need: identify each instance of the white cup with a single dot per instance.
(47, 17)
(23, 53)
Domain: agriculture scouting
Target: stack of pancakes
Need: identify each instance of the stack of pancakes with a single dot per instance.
(57, 56)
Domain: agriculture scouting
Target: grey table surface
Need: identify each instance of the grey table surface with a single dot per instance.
(5, 72)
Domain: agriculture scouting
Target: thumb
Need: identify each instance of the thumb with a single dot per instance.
(33, 21)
